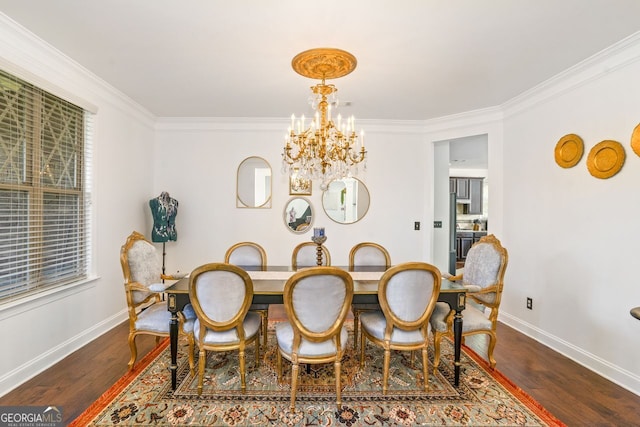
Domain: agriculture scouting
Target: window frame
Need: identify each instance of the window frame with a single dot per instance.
(45, 148)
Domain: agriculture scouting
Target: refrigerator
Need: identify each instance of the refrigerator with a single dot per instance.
(453, 250)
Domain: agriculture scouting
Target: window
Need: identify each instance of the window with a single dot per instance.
(44, 215)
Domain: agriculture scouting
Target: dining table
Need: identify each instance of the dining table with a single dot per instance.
(268, 287)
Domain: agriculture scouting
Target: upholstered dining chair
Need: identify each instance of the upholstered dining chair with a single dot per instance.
(306, 255)
(251, 254)
(221, 294)
(407, 294)
(483, 276)
(143, 284)
(366, 254)
(316, 301)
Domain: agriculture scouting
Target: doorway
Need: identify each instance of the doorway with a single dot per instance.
(465, 157)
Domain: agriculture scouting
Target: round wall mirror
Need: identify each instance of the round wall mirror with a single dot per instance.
(346, 200)
(298, 215)
(254, 183)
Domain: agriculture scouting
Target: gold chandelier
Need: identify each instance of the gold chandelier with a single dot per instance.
(326, 150)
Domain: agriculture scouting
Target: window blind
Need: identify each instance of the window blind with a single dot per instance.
(44, 189)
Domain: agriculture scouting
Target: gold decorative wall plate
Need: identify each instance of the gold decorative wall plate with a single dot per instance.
(324, 63)
(635, 140)
(606, 159)
(569, 150)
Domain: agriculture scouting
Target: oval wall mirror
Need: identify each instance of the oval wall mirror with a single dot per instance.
(254, 183)
(346, 200)
(298, 215)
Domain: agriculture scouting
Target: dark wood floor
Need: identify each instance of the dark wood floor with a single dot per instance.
(572, 393)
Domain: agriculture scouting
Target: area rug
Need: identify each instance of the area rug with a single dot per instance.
(484, 397)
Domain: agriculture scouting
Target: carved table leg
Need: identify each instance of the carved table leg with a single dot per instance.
(457, 334)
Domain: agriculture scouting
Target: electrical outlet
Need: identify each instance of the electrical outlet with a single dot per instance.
(437, 224)
(416, 225)
(529, 303)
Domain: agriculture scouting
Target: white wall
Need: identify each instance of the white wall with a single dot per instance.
(38, 331)
(196, 162)
(572, 238)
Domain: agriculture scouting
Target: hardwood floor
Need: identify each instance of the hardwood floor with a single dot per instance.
(570, 392)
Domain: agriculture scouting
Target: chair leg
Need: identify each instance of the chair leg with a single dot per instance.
(243, 383)
(337, 366)
(425, 368)
(279, 365)
(265, 327)
(356, 327)
(294, 385)
(492, 345)
(192, 368)
(363, 345)
(258, 352)
(385, 373)
(202, 359)
(436, 351)
(134, 350)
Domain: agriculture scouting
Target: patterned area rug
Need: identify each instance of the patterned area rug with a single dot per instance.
(144, 397)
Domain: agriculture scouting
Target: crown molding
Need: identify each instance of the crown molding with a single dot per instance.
(36, 61)
(615, 57)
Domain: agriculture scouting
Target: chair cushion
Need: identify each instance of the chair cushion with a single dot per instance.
(318, 301)
(189, 318)
(369, 255)
(438, 317)
(472, 318)
(210, 285)
(154, 318)
(374, 323)
(417, 283)
(144, 263)
(284, 335)
(251, 326)
(246, 256)
(159, 287)
(481, 265)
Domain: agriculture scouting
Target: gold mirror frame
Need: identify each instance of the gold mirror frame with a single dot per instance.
(346, 200)
(253, 184)
(298, 215)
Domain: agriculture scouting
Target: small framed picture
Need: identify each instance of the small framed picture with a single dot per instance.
(299, 186)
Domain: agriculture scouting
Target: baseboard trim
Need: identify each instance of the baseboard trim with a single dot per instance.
(613, 373)
(35, 366)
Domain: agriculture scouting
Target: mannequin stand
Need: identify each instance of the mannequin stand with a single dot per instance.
(164, 254)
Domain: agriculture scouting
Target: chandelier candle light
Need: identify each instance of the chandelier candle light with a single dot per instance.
(325, 150)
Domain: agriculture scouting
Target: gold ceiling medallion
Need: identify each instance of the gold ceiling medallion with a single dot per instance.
(326, 150)
(324, 63)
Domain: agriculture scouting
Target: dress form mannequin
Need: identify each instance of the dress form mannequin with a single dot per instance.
(164, 210)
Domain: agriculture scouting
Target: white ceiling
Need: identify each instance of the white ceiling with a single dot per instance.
(417, 59)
